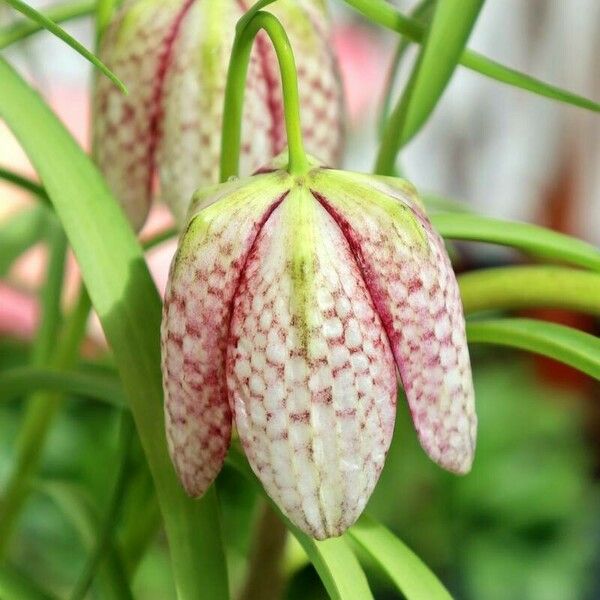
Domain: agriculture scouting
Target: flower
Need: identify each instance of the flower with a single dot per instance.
(173, 57)
(292, 303)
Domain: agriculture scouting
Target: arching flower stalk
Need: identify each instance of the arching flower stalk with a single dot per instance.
(165, 136)
(293, 303)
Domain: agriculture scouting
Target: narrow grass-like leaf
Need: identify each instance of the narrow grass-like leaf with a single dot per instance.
(514, 288)
(386, 15)
(407, 571)
(565, 344)
(42, 406)
(451, 26)
(159, 238)
(129, 308)
(25, 380)
(333, 559)
(531, 239)
(25, 183)
(19, 233)
(58, 13)
(436, 203)
(60, 33)
(422, 13)
(77, 509)
(104, 540)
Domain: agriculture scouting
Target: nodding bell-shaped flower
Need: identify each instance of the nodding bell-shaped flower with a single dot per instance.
(293, 304)
(164, 137)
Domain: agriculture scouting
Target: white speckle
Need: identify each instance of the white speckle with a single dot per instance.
(332, 328)
(257, 385)
(276, 353)
(242, 369)
(339, 356)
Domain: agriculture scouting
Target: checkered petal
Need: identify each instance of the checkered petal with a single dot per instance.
(197, 309)
(310, 372)
(413, 287)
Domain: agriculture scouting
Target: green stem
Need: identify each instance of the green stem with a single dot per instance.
(38, 418)
(23, 28)
(234, 94)
(513, 288)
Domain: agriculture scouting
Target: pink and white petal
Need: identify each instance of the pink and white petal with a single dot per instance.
(412, 284)
(309, 370)
(321, 96)
(196, 314)
(189, 143)
(189, 146)
(138, 48)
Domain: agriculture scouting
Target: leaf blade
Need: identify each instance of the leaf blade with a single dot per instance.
(129, 308)
(451, 26)
(531, 239)
(384, 14)
(570, 346)
(60, 33)
(60, 13)
(405, 569)
(24, 380)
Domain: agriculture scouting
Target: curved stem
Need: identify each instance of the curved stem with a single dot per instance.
(527, 287)
(234, 94)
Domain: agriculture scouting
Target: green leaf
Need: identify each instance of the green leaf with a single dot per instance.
(78, 510)
(25, 183)
(127, 302)
(531, 239)
(451, 26)
(384, 14)
(513, 288)
(60, 33)
(25, 380)
(440, 204)
(106, 533)
(422, 13)
(565, 344)
(406, 570)
(19, 233)
(59, 13)
(333, 559)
